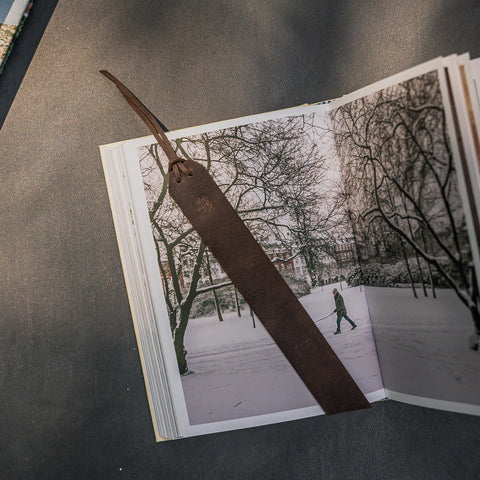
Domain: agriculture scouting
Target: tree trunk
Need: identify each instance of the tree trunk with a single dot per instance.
(181, 354)
(310, 263)
(215, 296)
(178, 339)
(474, 295)
(172, 316)
(237, 302)
(179, 336)
(185, 309)
(475, 337)
(410, 229)
(421, 275)
(408, 268)
(476, 318)
(429, 266)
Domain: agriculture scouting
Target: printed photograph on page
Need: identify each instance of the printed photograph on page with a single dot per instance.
(403, 195)
(282, 180)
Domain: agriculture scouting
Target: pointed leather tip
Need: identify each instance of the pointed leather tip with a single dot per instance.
(107, 74)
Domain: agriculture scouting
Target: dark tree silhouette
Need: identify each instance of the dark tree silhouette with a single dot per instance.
(400, 175)
(270, 173)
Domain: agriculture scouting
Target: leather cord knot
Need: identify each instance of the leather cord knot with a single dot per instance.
(177, 167)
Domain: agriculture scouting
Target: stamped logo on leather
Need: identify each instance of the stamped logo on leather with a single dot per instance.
(203, 204)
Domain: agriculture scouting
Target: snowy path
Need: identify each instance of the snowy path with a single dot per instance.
(423, 344)
(239, 371)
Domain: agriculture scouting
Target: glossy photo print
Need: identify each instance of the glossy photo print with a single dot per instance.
(402, 178)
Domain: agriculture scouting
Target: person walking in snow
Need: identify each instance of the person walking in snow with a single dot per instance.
(341, 311)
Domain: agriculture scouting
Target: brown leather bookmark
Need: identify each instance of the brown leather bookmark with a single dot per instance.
(256, 278)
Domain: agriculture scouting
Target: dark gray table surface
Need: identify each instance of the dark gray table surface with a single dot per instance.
(73, 402)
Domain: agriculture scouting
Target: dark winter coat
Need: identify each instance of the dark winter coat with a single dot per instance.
(340, 306)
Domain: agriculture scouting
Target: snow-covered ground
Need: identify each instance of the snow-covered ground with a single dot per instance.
(239, 372)
(423, 344)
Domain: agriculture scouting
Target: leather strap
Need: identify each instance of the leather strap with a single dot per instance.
(175, 164)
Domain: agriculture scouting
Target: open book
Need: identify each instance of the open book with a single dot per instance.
(368, 201)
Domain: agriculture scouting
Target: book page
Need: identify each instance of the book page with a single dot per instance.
(475, 72)
(470, 79)
(406, 194)
(278, 172)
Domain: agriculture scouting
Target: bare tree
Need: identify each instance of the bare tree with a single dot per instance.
(269, 171)
(399, 170)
